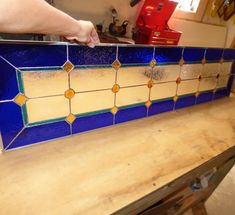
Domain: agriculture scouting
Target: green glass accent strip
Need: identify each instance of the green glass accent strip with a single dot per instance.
(207, 91)
(20, 80)
(162, 100)
(131, 106)
(93, 66)
(25, 115)
(93, 113)
(33, 69)
(187, 95)
(46, 122)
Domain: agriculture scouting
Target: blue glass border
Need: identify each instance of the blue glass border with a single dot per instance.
(41, 133)
(168, 54)
(221, 93)
(100, 55)
(192, 55)
(8, 81)
(135, 55)
(229, 54)
(205, 97)
(86, 123)
(185, 101)
(131, 113)
(161, 106)
(214, 54)
(11, 122)
(34, 55)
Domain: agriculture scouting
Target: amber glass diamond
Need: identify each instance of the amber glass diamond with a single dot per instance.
(116, 64)
(150, 84)
(69, 93)
(68, 66)
(148, 103)
(115, 88)
(199, 77)
(20, 99)
(70, 118)
(181, 62)
(153, 63)
(178, 80)
(175, 98)
(114, 110)
(204, 61)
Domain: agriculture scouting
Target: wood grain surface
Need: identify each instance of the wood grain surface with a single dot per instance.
(102, 171)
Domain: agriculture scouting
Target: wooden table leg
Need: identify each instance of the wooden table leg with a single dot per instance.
(199, 209)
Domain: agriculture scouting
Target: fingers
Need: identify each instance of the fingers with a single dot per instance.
(94, 36)
(94, 39)
(87, 35)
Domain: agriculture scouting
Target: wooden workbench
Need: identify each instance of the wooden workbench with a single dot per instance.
(122, 169)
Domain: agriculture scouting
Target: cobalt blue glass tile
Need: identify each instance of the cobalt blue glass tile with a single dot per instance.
(230, 83)
(28, 55)
(229, 54)
(213, 54)
(233, 68)
(100, 55)
(185, 101)
(8, 81)
(205, 97)
(135, 55)
(41, 133)
(221, 93)
(127, 114)
(161, 106)
(87, 123)
(171, 54)
(193, 54)
(11, 121)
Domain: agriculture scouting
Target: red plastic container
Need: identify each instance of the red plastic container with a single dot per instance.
(152, 23)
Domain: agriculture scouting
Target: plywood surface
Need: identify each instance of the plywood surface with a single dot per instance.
(102, 171)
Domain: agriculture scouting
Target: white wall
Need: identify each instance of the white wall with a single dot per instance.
(194, 33)
(199, 34)
(231, 31)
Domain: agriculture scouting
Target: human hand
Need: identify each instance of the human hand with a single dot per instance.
(86, 34)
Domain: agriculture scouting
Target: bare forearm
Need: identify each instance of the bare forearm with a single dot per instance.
(35, 16)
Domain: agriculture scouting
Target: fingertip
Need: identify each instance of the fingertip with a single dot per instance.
(91, 45)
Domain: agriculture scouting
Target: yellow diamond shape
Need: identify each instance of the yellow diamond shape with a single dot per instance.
(175, 98)
(69, 93)
(148, 103)
(178, 80)
(153, 63)
(116, 64)
(70, 118)
(150, 84)
(20, 99)
(204, 61)
(68, 66)
(115, 88)
(199, 77)
(181, 62)
(114, 110)
(197, 94)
